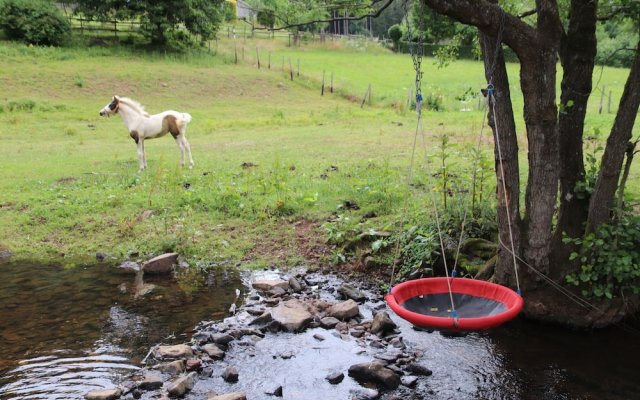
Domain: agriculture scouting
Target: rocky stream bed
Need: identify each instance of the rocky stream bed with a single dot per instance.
(293, 335)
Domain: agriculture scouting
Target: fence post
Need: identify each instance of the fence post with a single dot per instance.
(322, 90)
(601, 100)
(269, 60)
(258, 57)
(290, 69)
(609, 103)
(364, 98)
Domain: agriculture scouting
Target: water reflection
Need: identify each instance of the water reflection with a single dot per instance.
(66, 332)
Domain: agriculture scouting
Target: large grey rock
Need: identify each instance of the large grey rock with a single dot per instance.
(160, 265)
(375, 372)
(292, 315)
(382, 323)
(104, 394)
(229, 396)
(181, 385)
(176, 351)
(266, 285)
(343, 311)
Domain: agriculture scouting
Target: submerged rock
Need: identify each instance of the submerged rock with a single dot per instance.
(177, 351)
(103, 394)
(230, 374)
(229, 396)
(129, 266)
(181, 385)
(335, 378)
(213, 351)
(266, 285)
(375, 372)
(351, 292)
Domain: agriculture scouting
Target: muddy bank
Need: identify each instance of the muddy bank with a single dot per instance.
(293, 336)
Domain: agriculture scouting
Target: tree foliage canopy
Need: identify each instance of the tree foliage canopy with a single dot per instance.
(161, 20)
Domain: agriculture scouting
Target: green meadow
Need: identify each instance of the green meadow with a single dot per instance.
(281, 171)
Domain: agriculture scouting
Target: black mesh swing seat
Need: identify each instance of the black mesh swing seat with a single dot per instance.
(479, 305)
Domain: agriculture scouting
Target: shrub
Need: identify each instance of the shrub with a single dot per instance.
(33, 21)
(395, 34)
(609, 260)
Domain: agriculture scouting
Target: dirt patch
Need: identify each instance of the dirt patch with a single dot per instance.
(304, 241)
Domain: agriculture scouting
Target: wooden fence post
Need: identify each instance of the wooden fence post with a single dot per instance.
(290, 69)
(235, 60)
(601, 100)
(364, 98)
(609, 103)
(258, 57)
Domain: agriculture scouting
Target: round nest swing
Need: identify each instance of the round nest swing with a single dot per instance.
(479, 305)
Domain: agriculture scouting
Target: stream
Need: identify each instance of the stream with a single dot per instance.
(64, 332)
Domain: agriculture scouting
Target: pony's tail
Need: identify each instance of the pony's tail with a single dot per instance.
(186, 117)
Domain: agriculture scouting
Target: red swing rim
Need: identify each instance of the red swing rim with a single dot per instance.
(406, 290)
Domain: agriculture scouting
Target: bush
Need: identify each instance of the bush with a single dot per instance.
(395, 34)
(33, 21)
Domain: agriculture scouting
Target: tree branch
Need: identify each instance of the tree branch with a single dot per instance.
(527, 13)
(377, 13)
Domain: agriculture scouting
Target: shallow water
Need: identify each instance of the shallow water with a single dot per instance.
(65, 332)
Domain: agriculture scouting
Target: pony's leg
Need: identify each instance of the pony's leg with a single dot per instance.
(186, 146)
(141, 159)
(181, 148)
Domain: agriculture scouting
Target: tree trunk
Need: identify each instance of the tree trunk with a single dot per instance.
(577, 55)
(602, 200)
(506, 156)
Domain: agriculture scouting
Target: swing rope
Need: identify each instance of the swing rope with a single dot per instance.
(416, 56)
(492, 103)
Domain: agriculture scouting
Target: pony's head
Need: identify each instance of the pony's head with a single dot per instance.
(111, 108)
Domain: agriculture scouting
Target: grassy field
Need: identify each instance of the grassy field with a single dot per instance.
(280, 170)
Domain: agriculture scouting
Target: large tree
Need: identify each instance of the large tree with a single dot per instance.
(555, 204)
(160, 20)
(563, 207)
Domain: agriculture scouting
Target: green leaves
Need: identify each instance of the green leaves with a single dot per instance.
(609, 260)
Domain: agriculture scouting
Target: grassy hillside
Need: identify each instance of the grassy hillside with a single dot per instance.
(279, 168)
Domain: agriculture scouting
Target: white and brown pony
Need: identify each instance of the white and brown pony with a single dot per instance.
(143, 126)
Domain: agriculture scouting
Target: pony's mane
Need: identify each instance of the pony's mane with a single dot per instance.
(134, 104)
